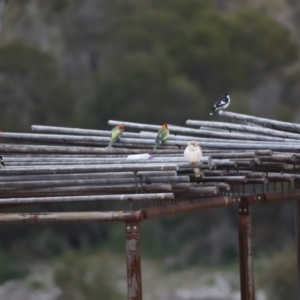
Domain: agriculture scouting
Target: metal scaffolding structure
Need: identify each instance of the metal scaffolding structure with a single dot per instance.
(246, 161)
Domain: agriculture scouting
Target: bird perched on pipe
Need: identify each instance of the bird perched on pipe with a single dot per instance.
(193, 154)
(162, 135)
(115, 134)
(2, 165)
(221, 104)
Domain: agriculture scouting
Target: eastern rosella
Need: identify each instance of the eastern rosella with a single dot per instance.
(116, 133)
(193, 154)
(162, 135)
(221, 104)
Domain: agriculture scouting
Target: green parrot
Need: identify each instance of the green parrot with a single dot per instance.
(116, 133)
(162, 135)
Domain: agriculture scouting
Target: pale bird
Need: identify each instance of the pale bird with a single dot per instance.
(193, 154)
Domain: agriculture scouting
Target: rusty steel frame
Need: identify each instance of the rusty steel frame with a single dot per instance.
(297, 232)
(132, 221)
(133, 258)
(245, 253)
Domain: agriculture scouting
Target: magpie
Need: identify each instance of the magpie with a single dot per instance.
(221, 104)
(2, 165)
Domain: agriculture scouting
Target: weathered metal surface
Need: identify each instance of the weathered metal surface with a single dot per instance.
(245, 128)
(88, 169)
(207, 190)
(297, 231)
(197, 204)
(282, 195)
(262, 121)
(82, 190)
(58, 217)
(83, 175)
(245, 253)
(190, 131)
(123, 197)
(80, 182)
(133, 255)
(14, 148)
(272, 196)
(229, 179)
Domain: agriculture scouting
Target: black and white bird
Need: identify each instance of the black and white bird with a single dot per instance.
(2, 165)
(221, 104)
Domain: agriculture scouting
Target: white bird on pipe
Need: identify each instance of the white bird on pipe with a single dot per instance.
(193, 154)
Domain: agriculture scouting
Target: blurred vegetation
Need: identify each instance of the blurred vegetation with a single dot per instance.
(279, 278)
(9, 269)
(31, 88)
(81, 276)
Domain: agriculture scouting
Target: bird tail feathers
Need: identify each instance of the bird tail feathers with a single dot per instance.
(197, 172)
(110, 144)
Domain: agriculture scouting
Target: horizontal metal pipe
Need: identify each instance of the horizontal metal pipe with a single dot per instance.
(77, 182)
(93, 140)
(282, 196)
(89, 169)
(221, 155)
(273, 196)
(264, 152)
(230, 179)
(280, 177)
(42, 149)
(248, 174)
(279, 158)
(204, 190)
(225, 163)
(111, 175)
(258, 180)
(181, 207)
(208, 173)
(100, 159)
(181, 185)
(80, 131)
(222, 138)
(244, 128)
(123, 197)
(262, 121)
(85, 190)
(221, 185)
(58, 217)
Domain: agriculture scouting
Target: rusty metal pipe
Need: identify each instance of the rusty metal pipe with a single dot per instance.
(245, 253)
(181, 207)
(133, 255)
(297, 232)
(63, 217)
(273, 196)
(282, 196)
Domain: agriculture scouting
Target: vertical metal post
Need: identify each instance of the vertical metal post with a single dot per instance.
(245, 253)
(133, 253)
(297, 231)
